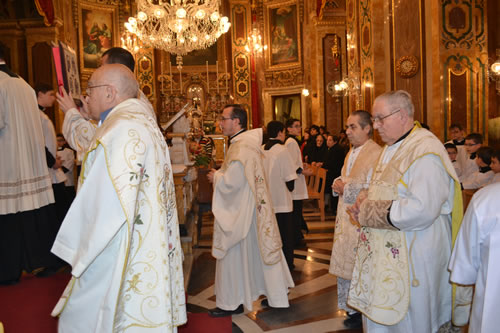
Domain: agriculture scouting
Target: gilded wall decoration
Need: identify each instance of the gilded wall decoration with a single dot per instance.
(365, 28)
(282, 34)
(145, 72)
(241, 75)
(284, 78)
(457, 23)
(407, 66)
(458, 87)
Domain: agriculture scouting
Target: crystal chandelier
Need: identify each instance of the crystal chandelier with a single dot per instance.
(178, 26)
(254, 43)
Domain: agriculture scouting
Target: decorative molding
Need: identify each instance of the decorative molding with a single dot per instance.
(407, 66)
(285, 78)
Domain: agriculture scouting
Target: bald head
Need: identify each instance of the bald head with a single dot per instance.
(120, 77)
(109, 86)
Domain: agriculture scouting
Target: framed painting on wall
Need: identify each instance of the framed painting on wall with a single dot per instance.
(283, 35)
(98, 32)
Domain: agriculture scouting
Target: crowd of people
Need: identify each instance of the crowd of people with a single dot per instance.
(404, 257)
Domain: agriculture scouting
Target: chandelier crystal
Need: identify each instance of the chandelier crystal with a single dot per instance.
(178, 26)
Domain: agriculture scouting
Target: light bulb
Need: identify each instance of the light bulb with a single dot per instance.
(142, 16)
(215, 16)
(200, 14)
(180, 13)
(159, 13)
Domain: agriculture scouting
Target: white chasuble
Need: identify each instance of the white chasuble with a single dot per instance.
(346, 236)
(121, 234)
(400, 281)
(247, 243)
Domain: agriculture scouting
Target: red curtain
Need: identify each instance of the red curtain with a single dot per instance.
(46, 9)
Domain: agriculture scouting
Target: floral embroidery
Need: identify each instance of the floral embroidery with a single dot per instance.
(394, 249)
(139, 174)
(133, 283)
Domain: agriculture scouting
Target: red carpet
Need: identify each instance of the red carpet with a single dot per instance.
(26, 308)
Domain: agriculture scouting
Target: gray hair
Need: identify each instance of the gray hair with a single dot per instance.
(398, 99)
(364, 119)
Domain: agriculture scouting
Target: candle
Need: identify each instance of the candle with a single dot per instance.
(180, 79)
(208, 84)
(171, 78)
(161, 73)
(225, 69)
(217, 75)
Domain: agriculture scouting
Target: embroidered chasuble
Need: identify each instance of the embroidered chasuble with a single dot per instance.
(246, 241)
(121, 234)
(416, 177)
(345, 240)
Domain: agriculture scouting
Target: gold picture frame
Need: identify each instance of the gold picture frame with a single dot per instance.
(98, 31)
(283, 35)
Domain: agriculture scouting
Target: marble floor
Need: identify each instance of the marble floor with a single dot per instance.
(313, 301)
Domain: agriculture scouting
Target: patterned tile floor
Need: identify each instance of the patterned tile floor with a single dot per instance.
(313, 301)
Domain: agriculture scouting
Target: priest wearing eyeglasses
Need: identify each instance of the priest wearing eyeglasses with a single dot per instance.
(121, 234)
(400, 280)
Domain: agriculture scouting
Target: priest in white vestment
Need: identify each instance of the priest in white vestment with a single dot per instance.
(26, 194)
(246, 243)
(355, 175)
(121, 234)
(475, 258)
(78, 129)
(400, 280)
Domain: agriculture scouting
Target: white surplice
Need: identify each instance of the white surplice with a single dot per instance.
(241, 273)
(24, 177)
(423, 214)
(477, 180)
(475, 258)
(300, 189)
(49, 133)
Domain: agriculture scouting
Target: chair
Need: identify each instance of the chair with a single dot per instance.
(312, 177)
(317, 192)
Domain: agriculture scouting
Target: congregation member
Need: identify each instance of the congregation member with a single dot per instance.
(484, 175)
(400, 282)
(77, 128)
(46, 98)
(473, 142)
(334, 160)
(26, 195)
(317, 153)
(457, 134)
(246, 239)
(495, 166)
(299, 192)
(475, 258)
(67, 155)
(311, 143)
(121, 234)
(355, 175)
(281, 176)
(452, 151)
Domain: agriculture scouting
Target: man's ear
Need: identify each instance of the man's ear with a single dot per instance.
(110, 92)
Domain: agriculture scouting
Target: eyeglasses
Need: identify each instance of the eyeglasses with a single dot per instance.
(380, 119)
(91, 87)
(470, 144)
(222, 118)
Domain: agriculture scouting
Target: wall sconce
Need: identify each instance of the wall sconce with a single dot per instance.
(343, 88)
(494, 72)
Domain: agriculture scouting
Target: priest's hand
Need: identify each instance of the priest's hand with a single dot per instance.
(65, 100)
(354, 209)
(211, 175)
(338, 186)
